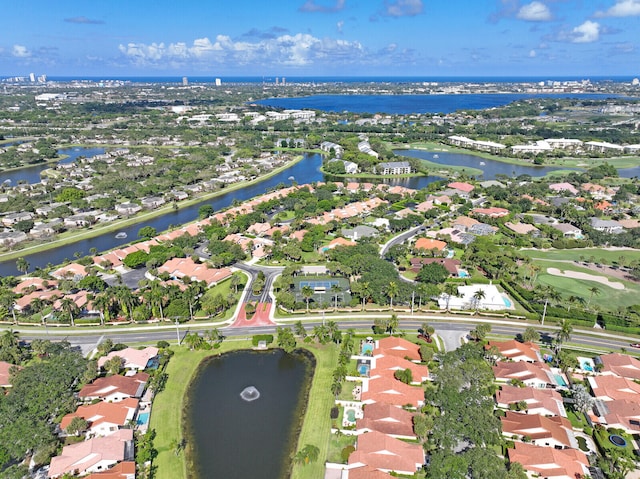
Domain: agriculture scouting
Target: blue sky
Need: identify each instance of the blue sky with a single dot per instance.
(429, 38)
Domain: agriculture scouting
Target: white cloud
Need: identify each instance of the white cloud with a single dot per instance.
(340, 25)
(20, 51)
(532, 54)
(403, 8)
(534, 12)
(588, 32)
(294, 50)
(622, 8)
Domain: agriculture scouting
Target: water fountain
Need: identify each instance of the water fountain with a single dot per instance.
(250, 393)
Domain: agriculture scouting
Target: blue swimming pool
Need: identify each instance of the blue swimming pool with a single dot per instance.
(463, 274)
(143, 418)
(586, 366)
(507, 302)
(363, 369)
(367, 349)
(560, 380)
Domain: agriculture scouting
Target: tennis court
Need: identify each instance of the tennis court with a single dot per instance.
(319, 285)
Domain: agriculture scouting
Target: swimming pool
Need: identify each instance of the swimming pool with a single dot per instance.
(351, 415)
(363, 369)
(507, 302)
(560, 380)
(143, 418)
(586, 366)
(367, 349)
(463, 273)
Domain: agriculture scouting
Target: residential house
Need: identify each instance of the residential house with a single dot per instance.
(399, 347)
(387, 419)
(493, 212)
(531, 374)
(423, 245)
(621, 414)
(606, 226)
(95, 455)
(387, 365)
(361, 231)
(11, 238)
(5, 375)
(128, 209)
(337, 242)
(451, 265)
(461, 189)
(387, 389)
(612, 388)
(516, 351)
(550, 463)
(568, 230)
(555, 431)
(523, 228)
(603, 147)
(13, 218)
(122, 470)
(133, 359)
(115, 388)
(546, 402)
(152, 202)
(73, 271)
(492, 299)
(482, 229)
(104, 418)
(563, 187)
(328, 146)
(564, 143)
(387, 454)
(185, 267)
(463, 223)
(618, 364)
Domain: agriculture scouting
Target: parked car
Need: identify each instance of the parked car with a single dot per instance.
(425, 337)
(635, 345)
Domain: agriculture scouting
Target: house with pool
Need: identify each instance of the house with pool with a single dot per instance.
(476, 296)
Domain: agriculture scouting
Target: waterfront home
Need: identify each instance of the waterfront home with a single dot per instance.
(603, 147)
(104, 418)
(546, 402)
(549, 462)
(115, 388)
(555, 431)
(122, 470)
(73, 271)
(128, 209)
(568, 230)
(95, 455)
(461, 189)
(11, 238)
(132, 359)
(393, 168)
(563, 188)
(152, 202)
(180, 267)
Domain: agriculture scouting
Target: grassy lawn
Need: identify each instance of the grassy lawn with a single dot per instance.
(166, 417)
(316, 429)
(336, 444)
(577, 419)
(166, 414)
(610, 257)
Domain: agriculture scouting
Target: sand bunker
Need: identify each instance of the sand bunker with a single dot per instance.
(586, 276)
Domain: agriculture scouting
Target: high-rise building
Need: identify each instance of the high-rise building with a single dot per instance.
(218, 82)
(284, 81)
(185, 81)
(32, 77)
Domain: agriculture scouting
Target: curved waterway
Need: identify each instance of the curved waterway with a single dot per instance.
(305, 171)
(230, 437)
(31, 174)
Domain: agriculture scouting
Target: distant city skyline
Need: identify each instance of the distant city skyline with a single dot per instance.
(322, 38)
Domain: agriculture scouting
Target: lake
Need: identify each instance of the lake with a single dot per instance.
(229, 437)
(407, 104)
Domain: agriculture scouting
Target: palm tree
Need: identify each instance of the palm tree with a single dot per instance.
(7, 300)
(392, 324)
(307, 293)
(22, 265)
(564, 333)
(478, 296)
(392, 291)
(70, 307)
(593, 291)
(450, 289)
(102, 303)
(336, 289)
(365, 292)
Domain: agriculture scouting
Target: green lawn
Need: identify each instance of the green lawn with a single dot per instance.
(336, 444)
(610, 257)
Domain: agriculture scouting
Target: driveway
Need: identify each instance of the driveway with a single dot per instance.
(451, 336)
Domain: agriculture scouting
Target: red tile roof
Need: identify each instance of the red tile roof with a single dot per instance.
(387, 419)
(392, 391)
(549, 462)
(117, 413)
(122, 470)
(516, 350)
(548, 400)
(538, 427)
(104, 387)
(387, 453)
(621, 364)
(400, 347)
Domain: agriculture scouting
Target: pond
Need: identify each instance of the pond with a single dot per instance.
(244, 413)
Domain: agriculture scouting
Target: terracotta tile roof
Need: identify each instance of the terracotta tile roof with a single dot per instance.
(131, 386)
(465, 221)
(299, 235)
(37, 284)
(539, 427)
(122, 470)
(451, 265)
(539, 401)
(117, 413)
(625, 414)
(516, 350)
(387, 419)
(400, 347)
(367, 472)
(524, 371)
(621, 365)
(394, 363)
(391, 391)
(26, 300)
(549, 462)
(4, 373)
(133, 358)
(387, 453)
(72, 269)
(83, 456)
(466, 187)
(521, 228)
(493, 212)
(429, 244)
(609, 388)
(181, 267)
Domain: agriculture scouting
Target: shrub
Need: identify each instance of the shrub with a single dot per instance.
(346, 452)
(268, 338)
(335, 412)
